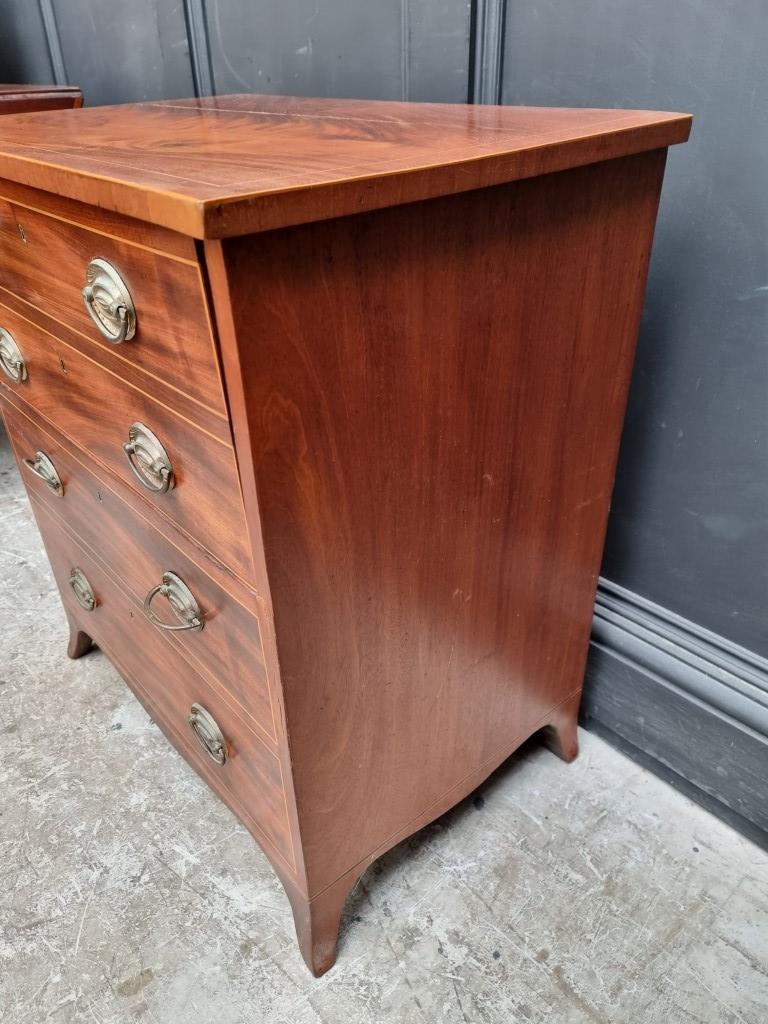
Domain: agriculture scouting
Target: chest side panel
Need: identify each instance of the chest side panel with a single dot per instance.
(433, 399)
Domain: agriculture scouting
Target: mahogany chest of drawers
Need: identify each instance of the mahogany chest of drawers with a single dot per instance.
(318, 406)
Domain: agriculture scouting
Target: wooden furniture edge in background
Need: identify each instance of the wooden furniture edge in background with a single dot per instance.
(21, 99)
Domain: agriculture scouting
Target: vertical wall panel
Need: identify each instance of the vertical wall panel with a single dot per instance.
(120, 52)
(24, 55)
(340, 48)
(689, 528)
(487, 51)
(438, 50)
(306, 47)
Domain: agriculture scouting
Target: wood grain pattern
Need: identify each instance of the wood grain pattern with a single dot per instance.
(228, 649)
(173, 340)
(251, 779)
(94, 409)
(225, 578)
(23, 99)
(31, 320)
(434, 459)
(215, 167)
(318, 918)
(101, 221)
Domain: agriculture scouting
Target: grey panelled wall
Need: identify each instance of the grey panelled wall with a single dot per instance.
(391, 49)
(689, 527)
(115, 52)
(678, 672)
(120, 52)
(24, 53)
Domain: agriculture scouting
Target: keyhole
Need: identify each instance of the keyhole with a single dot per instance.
(22, 236)
(63, 366)
(98, 495)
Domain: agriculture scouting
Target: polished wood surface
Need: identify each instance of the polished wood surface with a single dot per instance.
(433, 460)
(229, 165)
(251, 779)
(394, 433)
(111, 489)
(18, 99)
(173, 340)
(228, 650)
(30, 320)
(94, 409)
(102, 222)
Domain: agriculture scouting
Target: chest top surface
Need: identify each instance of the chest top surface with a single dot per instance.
(230, 165)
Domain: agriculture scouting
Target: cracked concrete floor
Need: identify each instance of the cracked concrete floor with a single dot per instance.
(582, 894)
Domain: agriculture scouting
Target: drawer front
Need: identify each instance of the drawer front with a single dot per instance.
(44, 262)
(96, 409)
(250, 778)
(228, 648)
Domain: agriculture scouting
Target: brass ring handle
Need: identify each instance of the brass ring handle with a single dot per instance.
(148, 459)
(11, 360)
(100, 311)
(44, 468)
(109, 302)
(82, 590)
(182, 602)
(207, 732)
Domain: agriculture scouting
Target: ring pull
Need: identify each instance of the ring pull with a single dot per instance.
(82, 590)
(148, 459)
(182, 602)
(11, 360)
(207, 732)
(109, 302)
(42, 467)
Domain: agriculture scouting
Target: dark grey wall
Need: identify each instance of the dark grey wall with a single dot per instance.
(689, 527)
(384, 50)
(686, 559)
(24, 54)
(120, 52)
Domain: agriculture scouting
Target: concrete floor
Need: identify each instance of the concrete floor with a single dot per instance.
(582, 894)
